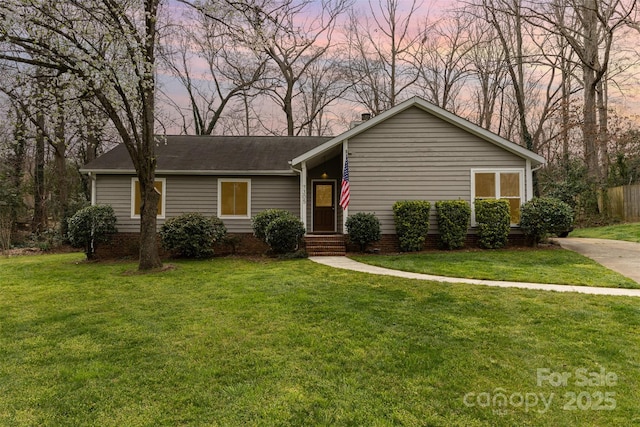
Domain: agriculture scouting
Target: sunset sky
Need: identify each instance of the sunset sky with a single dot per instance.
(624, 97)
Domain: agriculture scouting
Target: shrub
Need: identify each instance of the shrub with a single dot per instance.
(90, 226)
(283, 234)
(261, 221)
(412, 223)
(192, 235)
(494, 222)
(363, 228)
(453, 222)
(542, 216)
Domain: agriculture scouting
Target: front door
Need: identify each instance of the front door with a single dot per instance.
(324, 206)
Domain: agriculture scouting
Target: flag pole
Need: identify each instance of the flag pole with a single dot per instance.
(345, 173)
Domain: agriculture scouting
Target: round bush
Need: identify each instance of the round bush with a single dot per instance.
(453, 222)
(90, 226)
(261, 221)
(542, 216)
(283, 234)
(494, 223)
(363, 228)
(192, 235)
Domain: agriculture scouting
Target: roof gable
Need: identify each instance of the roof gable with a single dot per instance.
(435, 111)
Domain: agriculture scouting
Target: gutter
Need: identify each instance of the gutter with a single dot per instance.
(283, 172)
(298, 171)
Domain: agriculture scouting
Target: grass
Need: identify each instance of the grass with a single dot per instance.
(629, 232)
(233, 342)
(555, 266)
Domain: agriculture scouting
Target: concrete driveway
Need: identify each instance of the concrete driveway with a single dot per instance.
(623, 257)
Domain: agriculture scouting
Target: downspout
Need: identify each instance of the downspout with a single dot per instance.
(94, 196)
(530, 172)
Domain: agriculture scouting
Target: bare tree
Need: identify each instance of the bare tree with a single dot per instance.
(488, 76)
(108, 47)
(589, 28)
(13, 149)
(324, 83)
(383, 53)
(27, 89)
(445, 50)
(508, 22)
(295, 35)
(230, 69)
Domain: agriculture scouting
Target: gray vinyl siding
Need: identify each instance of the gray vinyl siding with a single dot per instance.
(115, 190)
(268, 193)
(198, 194)
(416, 156)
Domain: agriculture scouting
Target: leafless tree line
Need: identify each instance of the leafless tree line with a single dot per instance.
(537, 72)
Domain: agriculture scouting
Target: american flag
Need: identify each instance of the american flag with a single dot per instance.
(345, 193)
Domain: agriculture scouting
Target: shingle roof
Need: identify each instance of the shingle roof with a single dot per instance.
(209, 154)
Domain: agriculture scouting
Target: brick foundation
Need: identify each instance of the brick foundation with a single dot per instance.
(389, 243)
(126, 245)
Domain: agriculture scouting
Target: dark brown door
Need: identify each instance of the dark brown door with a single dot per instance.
(324, 206)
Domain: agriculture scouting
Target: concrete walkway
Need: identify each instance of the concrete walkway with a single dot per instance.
(617, 255)
(349, 264)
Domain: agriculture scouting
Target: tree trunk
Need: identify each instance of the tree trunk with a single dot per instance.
(39, 221)
(566, 91)
(603, 128)
(17, 161)
(589, 127)
(149, 255)
(60, 161)
(146, 165)
(287, 106)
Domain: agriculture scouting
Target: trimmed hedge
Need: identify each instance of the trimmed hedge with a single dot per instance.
(542, 216)
(192, 235)
(363, 228)
(283, 234)
(90, 226)
(454, 217)
(494, 222)
(411, 219)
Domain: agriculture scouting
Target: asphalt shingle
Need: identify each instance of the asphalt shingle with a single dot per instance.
(214, 153)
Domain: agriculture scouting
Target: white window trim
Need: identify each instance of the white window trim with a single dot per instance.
(161, 215)
(519, 171)
(220, 181)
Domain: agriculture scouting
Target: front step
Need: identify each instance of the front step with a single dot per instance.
(325, 245)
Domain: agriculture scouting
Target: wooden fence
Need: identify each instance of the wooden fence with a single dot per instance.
(624, 202)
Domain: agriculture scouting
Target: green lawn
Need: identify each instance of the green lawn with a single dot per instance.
(629, 232)
(557, 266)
(234, 342)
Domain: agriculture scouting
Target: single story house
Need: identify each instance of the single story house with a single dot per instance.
(413, 151)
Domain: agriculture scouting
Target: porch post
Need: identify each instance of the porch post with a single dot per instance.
(303, 195)
(529, 179)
